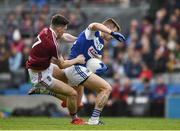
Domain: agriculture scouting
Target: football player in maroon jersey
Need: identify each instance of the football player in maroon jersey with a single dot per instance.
(41, 70)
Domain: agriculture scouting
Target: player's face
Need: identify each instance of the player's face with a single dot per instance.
(107, 37)
(60, 31)
(112, 27)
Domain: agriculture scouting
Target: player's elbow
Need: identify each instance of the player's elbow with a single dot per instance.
(93, 26)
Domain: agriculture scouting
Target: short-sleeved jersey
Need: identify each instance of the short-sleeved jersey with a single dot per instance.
(43, 50)
(89, 43)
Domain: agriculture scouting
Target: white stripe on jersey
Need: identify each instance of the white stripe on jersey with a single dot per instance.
(89, 34)
(55, 41)
(37, 42)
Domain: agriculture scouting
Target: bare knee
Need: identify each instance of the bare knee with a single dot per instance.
(107, 88)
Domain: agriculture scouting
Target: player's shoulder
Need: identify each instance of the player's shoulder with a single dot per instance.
(89, 30)
(46, 35)
(90, 34)
(45, 31)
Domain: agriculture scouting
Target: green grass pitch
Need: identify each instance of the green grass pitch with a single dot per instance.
(42, 123)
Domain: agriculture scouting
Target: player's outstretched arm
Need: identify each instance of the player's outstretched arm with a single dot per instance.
(67, 63)
(99, 27)
(68, 37)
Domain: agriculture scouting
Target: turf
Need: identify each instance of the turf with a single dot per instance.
(38, 123)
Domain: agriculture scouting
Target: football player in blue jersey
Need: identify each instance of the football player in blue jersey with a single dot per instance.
(90, 43)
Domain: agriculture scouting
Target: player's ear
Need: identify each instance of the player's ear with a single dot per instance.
(59, 28)
(115, 29)
(65, 27)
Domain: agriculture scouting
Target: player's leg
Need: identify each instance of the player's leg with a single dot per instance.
(103, 89)
(56, 73)
(59, 87)
(99, 85)
(80, 92)
(42, 90)
(45, 79)
(80, 75)
(60, 75)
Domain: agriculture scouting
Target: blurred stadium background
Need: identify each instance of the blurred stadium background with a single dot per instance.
(144, 71)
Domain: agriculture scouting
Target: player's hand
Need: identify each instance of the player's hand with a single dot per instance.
(118, 36)
(80, 59)
(103, 69)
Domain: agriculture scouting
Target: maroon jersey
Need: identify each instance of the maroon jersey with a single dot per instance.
(43, 50)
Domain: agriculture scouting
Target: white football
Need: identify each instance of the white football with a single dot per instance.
(93, 64)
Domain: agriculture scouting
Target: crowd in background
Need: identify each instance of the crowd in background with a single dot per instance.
(152, 47)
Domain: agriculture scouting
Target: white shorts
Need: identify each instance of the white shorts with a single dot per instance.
(45, 77)
(77, 74)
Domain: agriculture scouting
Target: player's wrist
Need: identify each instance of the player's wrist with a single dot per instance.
(77, 60)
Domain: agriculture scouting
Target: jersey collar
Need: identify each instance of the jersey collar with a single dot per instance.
(53, 32)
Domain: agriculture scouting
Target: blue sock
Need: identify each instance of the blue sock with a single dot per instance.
(96, 113)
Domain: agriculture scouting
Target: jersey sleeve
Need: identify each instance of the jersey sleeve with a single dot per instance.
(89, 34)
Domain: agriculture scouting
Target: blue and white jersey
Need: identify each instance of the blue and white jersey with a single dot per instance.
(89, 43)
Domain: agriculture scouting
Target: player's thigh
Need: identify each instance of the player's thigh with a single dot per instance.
(59, 74)
(63, 88)
(96, 83)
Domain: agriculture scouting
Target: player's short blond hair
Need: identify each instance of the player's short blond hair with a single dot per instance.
(114, 22)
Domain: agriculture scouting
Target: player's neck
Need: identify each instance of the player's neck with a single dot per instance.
(53, 30)
(101, 34)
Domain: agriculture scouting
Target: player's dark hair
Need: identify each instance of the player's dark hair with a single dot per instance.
(59, 20)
